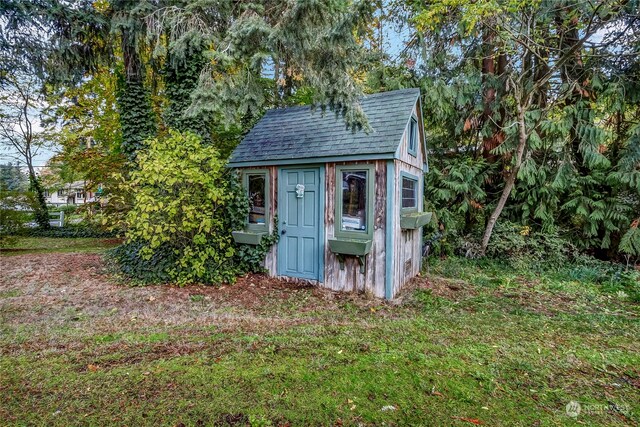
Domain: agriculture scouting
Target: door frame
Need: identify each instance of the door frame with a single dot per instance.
(322, 195)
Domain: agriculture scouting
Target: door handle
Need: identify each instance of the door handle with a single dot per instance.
(283, 232)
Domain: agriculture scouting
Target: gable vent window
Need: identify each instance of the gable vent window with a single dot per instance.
(409, 193)
(413, 136)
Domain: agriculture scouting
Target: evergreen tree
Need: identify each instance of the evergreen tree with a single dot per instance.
(533, 105)
(181, 75)
(12, 178)
(311, 44)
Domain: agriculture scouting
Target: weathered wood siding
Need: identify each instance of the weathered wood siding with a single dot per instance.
(407, 244)
(351, 279)
(271, 259)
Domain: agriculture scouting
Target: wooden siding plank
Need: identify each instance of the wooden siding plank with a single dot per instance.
(271, 259)
(407, 244)
(350, 279)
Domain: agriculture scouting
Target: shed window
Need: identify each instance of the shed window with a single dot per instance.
(257, 197)
(257, 188)
(413, 136)
(354, 201)
(409, 193)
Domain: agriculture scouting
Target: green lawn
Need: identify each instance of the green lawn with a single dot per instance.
(48, 244)
(474, 343)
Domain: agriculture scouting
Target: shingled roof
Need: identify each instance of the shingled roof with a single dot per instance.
(289, 135)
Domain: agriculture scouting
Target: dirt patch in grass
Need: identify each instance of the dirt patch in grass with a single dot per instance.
(74, 292)
(451, 289)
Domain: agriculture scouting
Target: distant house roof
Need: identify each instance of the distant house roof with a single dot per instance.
(294, 134)
(76, 184)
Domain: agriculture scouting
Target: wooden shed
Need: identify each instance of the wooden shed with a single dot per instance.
(348, 205)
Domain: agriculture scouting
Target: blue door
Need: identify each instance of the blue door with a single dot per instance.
(299, 248)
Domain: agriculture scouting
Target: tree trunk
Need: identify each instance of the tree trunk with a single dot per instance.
(137, 119)
(509, 182)
(573, 73)
(489, 91)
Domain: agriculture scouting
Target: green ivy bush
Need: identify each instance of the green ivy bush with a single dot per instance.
(250, 257)
(185, 204)
(126, 259)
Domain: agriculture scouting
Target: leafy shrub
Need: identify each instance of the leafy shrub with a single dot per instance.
(13, 216)
(630, 242)
(454, 191)
(155, 269)
(185, 204)
(511, 244)
(515, 243)
(611, 277)
(178, 222)
(249, 257)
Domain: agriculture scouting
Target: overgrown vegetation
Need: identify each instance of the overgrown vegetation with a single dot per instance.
(13, 214)
(532, 109)
(179, 222)
(69, 230)
(185, 204)
(530, 127)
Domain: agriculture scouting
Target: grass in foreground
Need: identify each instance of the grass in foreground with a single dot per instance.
(22, 245)
(475, 343)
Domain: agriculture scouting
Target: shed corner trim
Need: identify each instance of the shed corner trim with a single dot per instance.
(388, 273)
